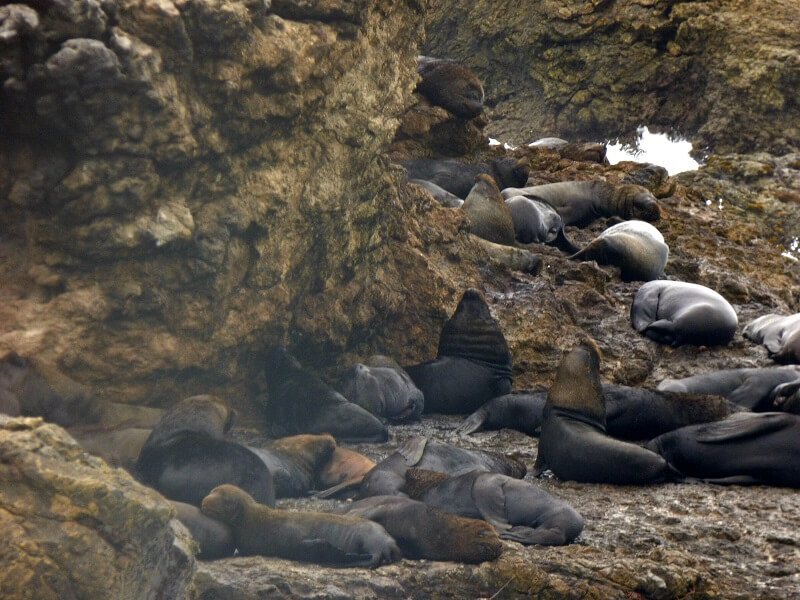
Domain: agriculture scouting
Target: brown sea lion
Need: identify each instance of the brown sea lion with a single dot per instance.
(295, 460)
(200, 414)
(581, 202)
(573, 442)
(214, 538)
(424, 532)
(779, 334)
(308, 536)
(489, 216)
(472, 365)
(458, 178)
(118, 446)
(450, 85)
(517, 259)
(345, 469)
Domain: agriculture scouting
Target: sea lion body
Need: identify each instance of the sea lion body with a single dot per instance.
(308, 536)
(573, 442)
(385, 392)
(450, 85)
(214, 537)
(581, 202)
(518, 510)
(345, 468)
(762, 448)
(300, 402)
(779, 334)
(458, 178)
(636, 247)
(489, 216)
(424, 532)
(441, 195)
(534, 221)
(294, 461)
(473, 363)
(676, 312)
(751, 388)
(119, 447)
(204, 414)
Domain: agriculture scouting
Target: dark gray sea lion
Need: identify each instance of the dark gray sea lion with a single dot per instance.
(308, 536)
(786, 397)
(118, 446)
(676, 312)
(751, 388)
(489, 217)
(472, 365)
(294, 462)
(581, 202)
(534, 221)
(441, 195)
(450, 85)
(574, 443)
(424, 532)
(214, 537)
(205, 414)
(458, 178)
(187, 466)
(744, 448)
(388, 476)
(386, 392)
(518, 510)
(300, 402)
(636, 247)
(35, 388)
(779, 334)
(631, 413)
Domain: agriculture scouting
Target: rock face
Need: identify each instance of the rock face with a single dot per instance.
(74, 528)
(722, 73)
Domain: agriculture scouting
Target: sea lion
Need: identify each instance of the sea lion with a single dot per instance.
(676, 312)
(450, 85)
(636, 247)
(631, 413)
(187, 466)
(34, 388)
(345, 469)
(534, 221)
(388, 475)
(779, 334)
(204, 414)
(424, 532)
(384, 391)
(118, 446)
(761, 448)
(574, 443)
(517, 259)
(518, 510)
(458, 178)
(751, 388)
(300, 402)
(307, 536)
(581, 202)
(214, 537)
(294, 461)
(441, 195)
(472, 365)
(586, 151)
(489, 217)
(786, 397)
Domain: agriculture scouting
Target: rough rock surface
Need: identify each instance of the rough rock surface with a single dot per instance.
(74, 528)
(722, 73)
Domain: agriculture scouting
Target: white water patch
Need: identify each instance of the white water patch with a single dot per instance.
(793, 251)
(655, 148)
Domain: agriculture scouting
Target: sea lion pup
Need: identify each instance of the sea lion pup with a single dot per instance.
(294, 461)
(458, 178)
(581, 202)
(188, 465)
(388, 476)
(307, 536)
(300, 402)
(441, 195)
(518, 510)
(761, 448)
(204, 413)
(472, 365)
(676, 312)
(385, 391)
(631, 413)
(488, 214)
(779, 334)
(214, 537)
(344, 471)
(34, 388)
(424, 532)
(517, 259)
(574, 443)
(450, 85)
(752, 388)
(636, 247)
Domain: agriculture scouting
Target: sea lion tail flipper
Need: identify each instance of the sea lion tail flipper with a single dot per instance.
(336, 489)
(412, 449)
(553, 536)
(474, 422)
(563, 243)
(741, 426)
(662, 331)
(539, 467)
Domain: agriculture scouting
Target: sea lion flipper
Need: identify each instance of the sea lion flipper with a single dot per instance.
(563, 243)
(539, 466)
(474, 422)
(333, 490)
(662, 331)
(490, 500)
(742, 425)
(412, 449)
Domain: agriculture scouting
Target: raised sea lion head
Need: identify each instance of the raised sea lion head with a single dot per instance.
(226, 503)
(311, 450)
(450, 85)
(636, 202)
(510, 172)
(577, 386)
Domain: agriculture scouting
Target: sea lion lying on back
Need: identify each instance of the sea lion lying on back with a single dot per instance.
(458, 178)
(779, 334)
(581, 202)
(308, 536)
(450, 85)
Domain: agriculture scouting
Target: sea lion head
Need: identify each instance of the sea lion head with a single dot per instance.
(450, 85)
(312, 451)
(511, 172)
(360, 386)
(636, 202)
(215, 407)
(577, 384)
(226, 503)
